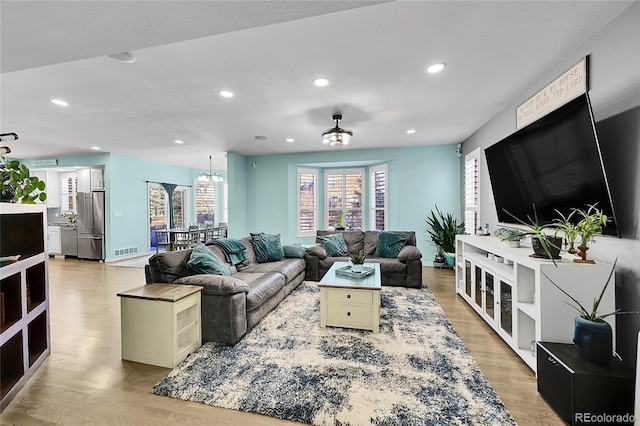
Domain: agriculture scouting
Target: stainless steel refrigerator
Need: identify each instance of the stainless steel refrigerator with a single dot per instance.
(90, 221)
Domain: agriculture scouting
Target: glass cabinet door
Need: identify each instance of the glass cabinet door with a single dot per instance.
(489, 299)
(478, 285)
(467, 278)
(506, 307)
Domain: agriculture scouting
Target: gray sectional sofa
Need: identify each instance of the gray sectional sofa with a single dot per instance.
(231, 305)
(405, 270)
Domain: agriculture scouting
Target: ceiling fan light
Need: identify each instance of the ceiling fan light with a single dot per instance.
(336, 137)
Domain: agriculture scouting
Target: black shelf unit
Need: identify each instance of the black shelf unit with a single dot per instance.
(24, 330)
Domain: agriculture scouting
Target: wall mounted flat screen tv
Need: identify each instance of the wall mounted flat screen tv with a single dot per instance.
(554, 163)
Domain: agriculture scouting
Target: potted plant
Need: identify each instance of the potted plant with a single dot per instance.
(357, 260)
(544, 245)
(592, 335)
(443, 230)
(591, 223)
(17, 185)
(340, 223)
(511, 236)
(567, 225)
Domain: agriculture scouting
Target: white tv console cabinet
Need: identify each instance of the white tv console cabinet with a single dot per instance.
(517, 301)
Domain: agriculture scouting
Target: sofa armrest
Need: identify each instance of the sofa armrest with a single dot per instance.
(409, 253)
(318, 251)
(215, 284)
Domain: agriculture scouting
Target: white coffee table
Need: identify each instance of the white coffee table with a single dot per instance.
(350, 302)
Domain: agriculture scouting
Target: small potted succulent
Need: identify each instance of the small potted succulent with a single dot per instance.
(510, 236)
(567, 225)
(357, 261)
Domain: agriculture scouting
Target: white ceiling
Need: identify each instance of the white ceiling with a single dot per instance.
(268, 53)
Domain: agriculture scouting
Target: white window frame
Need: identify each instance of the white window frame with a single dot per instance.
(344, 172)
(211, 184)
(373, 170)
(472, 191)
(311, 232)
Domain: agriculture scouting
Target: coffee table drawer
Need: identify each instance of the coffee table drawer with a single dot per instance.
(350, 296)
(351, 316)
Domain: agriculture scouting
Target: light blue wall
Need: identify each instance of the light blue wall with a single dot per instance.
(126, 206)
(237, 173)
(419, 178)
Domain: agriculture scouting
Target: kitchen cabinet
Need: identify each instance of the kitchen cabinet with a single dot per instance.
(52, 180)
(90, 180)
(24, 289)
(54, 236)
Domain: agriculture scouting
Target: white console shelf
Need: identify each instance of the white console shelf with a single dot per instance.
(517, 301)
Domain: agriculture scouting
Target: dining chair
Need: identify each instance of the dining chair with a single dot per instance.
(192, 238)
(209, 233)
(162, 238)
(223, 229)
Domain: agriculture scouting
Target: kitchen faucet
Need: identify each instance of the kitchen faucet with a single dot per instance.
(71, 219)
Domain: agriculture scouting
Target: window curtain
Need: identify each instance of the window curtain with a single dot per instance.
(170, 187)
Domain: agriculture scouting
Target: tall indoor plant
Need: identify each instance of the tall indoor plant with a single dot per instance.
(17, 184)
(443, 230)
(592, 335)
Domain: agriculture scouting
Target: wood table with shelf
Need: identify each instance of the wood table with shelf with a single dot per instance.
(160, 323)
(350, 302)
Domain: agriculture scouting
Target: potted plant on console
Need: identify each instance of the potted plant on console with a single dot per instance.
(592, 335)
(510, 236)
(443, 230)
(545, 245)
(589, 226)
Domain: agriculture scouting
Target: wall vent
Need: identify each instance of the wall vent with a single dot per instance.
(126, 251)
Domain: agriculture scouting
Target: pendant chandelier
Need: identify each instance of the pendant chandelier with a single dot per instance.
(210, 177)
(337, 137)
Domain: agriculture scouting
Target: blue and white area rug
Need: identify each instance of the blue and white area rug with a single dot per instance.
(416, 371)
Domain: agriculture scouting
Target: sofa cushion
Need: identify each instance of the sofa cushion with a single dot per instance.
(409, 253)
(203, 261)
(169, 266)
(268, 247)
(262, 286)
(290, 268)
(318, 251)
(215, 284)
(335, 244)
(390, 244)
(389, 265)
(370, 242)
(293, 251)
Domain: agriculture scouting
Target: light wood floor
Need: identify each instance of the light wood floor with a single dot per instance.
(84, 381)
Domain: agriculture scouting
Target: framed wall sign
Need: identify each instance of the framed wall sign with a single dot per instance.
(571, 84)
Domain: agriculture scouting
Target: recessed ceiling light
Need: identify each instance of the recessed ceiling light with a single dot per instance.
(95, 148)
(411, 131)
(290, 140)
(435, 68)
(125, 57)
(60, 102)
(226, 94)
(261, 138)
(179, 142)
(321, 82)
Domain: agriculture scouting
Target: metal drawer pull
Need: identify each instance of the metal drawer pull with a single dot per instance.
(348, 296)
(348, 314)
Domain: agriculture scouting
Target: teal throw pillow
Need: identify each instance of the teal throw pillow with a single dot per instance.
(334, 244)
(294, 251)
(268, 247)
(203, 261)
(390, 244)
